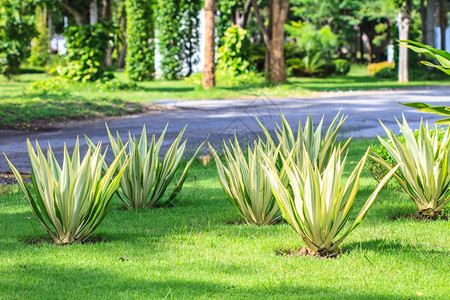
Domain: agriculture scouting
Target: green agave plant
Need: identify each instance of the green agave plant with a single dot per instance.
(424, 173)
(318, 204)
(146, 178)
(71, 201)
(319, 149)
(245, 182)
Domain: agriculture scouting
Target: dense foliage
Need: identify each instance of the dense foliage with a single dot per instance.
(178, 36)
(39, 44)
(140, 59)
(16, 31)
(233, 57)
(86, 46)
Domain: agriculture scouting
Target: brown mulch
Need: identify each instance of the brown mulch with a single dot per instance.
(306, 252)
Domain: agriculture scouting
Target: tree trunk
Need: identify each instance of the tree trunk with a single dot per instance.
(267, 66)
(209, 69)
(275, 69)
(106, 10)
(431, 23)
(278, 70)
(93, 12)
(361, 46)
(443, 21)
(403, 23)
(122, 53)
(423, 17)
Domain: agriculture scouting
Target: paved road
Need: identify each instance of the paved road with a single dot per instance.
(224, 118)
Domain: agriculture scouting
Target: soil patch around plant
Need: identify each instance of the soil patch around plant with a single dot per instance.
(306, 252)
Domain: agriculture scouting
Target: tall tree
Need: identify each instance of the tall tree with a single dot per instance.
(403, 23)
(431, 23)
(140, 58)
(209, 69)
(273, 36)
(443, 21)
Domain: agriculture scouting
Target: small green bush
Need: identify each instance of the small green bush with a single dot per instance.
(341, 66)
(233, 56)
(86, 48)
(16, 31)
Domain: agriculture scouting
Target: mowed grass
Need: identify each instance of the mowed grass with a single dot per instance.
(198, 250)
(22, 107)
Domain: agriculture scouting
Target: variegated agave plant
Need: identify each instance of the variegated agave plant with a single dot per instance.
(425, 171)
(146, 178)
(71, 201)
(245, 182)
(318, 204)
(319, 149)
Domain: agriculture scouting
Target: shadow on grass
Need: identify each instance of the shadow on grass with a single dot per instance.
(390, 247)
(34, 280)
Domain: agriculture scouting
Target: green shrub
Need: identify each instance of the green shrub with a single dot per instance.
(178, 36)
(386, 73)
(39, 44)
(140, 58)
(233, 56)
(86, 48)
(245, 182)
(341, 66)
(16, 31)
(70, 201)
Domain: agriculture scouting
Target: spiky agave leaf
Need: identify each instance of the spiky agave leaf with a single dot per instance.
(425, 171)
(319, 149)
(70, 201)
(146, 179)
(245, 182)
(318, 204)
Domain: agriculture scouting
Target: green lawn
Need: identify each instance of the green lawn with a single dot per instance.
(27, 108)
(198, 250)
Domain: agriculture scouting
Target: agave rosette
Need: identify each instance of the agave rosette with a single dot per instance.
(71, 201)
(318, 147)
(245, 182)
(425, 171)
(146, 178)
(317, 204)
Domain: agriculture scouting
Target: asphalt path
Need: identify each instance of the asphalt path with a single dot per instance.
(222, 119)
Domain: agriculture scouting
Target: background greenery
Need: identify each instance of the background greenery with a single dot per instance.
(36, 100)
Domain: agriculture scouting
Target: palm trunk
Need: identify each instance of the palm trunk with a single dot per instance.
(209, 74)
(403, 23)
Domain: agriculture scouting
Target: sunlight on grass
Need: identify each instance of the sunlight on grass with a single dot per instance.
(192, 250)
